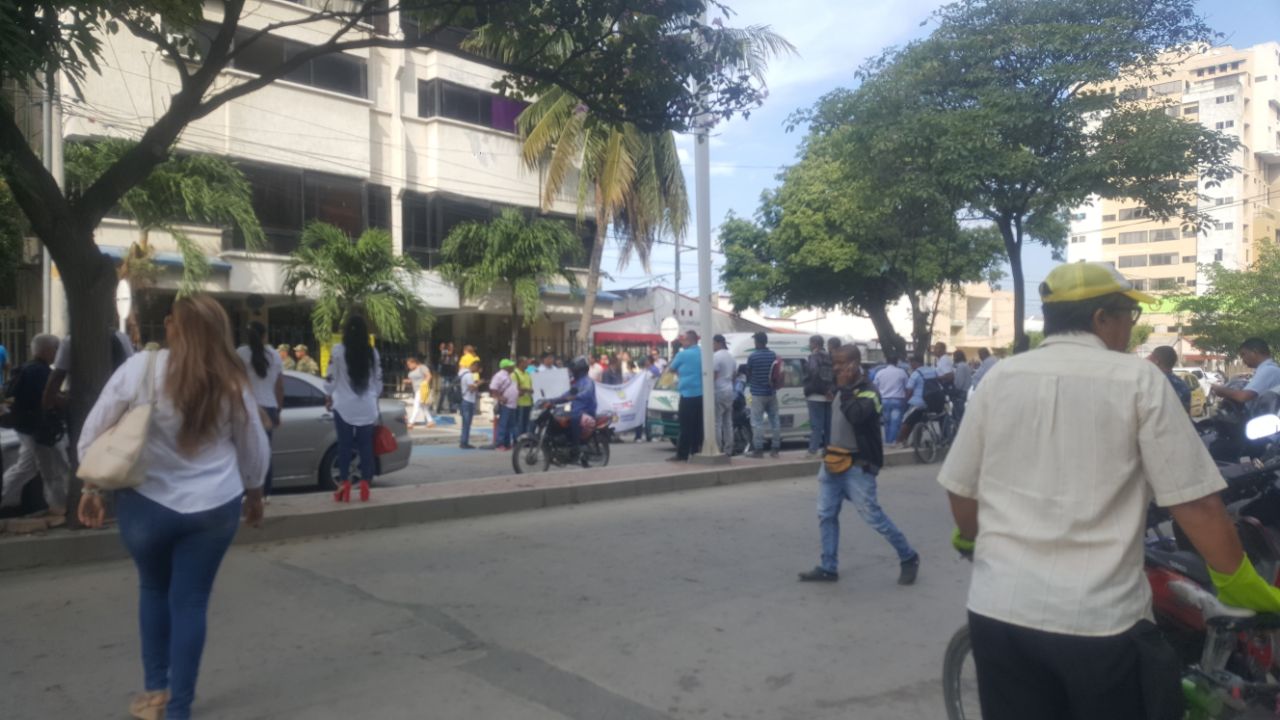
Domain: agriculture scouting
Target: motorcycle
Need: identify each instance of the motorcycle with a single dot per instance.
(1231, 656)
(549, 442)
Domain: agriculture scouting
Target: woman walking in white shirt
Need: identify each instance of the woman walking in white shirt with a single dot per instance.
(206, 456)
(352, 387)
(266, 381)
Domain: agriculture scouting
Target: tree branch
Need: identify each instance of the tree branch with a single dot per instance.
(162, 42)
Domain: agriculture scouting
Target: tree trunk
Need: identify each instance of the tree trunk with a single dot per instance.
(1013, 248)
(90, 288)
(515, 326)
(890, 341)
(920, 334)
(593, 278)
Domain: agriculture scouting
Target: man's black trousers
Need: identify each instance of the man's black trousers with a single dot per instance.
(690, 442)
(1025, 673)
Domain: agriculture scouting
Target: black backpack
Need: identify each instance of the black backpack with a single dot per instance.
(935, 396)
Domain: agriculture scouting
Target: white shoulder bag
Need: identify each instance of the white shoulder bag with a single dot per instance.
(114, 459)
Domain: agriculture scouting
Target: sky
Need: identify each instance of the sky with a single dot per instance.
(832, 38)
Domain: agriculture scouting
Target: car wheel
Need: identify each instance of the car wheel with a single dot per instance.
(328, 474)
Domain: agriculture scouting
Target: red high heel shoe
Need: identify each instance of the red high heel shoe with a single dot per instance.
(364, 491)
(343, 493)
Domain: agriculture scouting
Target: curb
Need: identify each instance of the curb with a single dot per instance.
(294, 517)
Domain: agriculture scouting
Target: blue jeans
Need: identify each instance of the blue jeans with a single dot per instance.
(362, 437)
(819, 425)
(524, 421)
(858, 487)
(177, 556)
(468, 411)
(506, 426)
(759, 406)
(894, 409)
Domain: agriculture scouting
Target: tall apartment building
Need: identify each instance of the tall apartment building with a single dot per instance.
(411, 141)
(1238, 93)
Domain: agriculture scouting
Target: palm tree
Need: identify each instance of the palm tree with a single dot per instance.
(632, 179)
(365, 275)
(203, 189)
(512, 251)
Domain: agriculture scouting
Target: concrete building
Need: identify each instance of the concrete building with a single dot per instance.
(411, 141)
(1238, 93)
(639, 313)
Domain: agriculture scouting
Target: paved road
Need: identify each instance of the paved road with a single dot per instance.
(434, 463)
(675, 606)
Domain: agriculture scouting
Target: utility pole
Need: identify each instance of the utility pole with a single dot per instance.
(51, 147)
(702, 198)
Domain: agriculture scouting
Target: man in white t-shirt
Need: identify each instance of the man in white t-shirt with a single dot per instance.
(943, 363)
(469, 382)
(724, 367)
(1049, 480)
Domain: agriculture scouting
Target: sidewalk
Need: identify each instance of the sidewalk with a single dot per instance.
(298, 516)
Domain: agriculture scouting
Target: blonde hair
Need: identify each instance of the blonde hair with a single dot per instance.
(205, 377)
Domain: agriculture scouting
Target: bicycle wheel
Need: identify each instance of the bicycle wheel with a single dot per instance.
(526, 456)
(924, 443)
(960, 679)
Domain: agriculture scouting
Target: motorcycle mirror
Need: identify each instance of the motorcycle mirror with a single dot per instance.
(1262, 426)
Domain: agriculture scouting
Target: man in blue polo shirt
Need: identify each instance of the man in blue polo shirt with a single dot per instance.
(1255, 353)
(687, 364)
(764, 398)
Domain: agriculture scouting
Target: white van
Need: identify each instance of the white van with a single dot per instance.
(792, 348)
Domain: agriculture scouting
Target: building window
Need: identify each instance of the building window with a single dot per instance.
(1164, 259)
(1131, 261)
(1223, 99)
(1223, 201)
(1108, 241)
(1108, 218)
(1164, 284)
(1138, 284)
(1132, 94)
(1228, 226)
(1077, 216)
(441, 98)
(1076, 239)
(1189, 232)
(1133, 238)
(286, 199)
(1217, 255)
(1223, 125)
(378, 200)
(1191, 109)
(1189, 259)
(339, 72)
(1164, 235)
(1167, 88)
(1137, 213)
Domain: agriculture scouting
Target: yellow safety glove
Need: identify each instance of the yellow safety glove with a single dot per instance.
(962, 545)
(1246, 589)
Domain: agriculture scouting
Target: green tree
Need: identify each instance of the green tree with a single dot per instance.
(366, 275)
(654, 64)
(200, 189)
(514, 252)
(1237, 305)
(631, 179)
(1139, 336)
(1011, 104)
(835, 235)
(11, 232)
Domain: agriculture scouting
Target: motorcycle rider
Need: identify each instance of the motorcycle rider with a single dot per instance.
(582, 401)
(1049, 481)
(1256, 354)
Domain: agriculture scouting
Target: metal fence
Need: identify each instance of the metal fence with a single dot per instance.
(16, 332)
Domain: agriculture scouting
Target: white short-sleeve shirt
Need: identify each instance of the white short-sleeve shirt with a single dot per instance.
(264, 388)
(1064, 449)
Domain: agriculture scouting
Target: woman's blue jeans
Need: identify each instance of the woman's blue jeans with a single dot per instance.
(361, 436)
(177, 556)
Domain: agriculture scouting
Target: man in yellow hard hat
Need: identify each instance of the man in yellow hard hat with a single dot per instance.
(1060, 453)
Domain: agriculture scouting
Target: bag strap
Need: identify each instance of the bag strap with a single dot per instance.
(149, 384)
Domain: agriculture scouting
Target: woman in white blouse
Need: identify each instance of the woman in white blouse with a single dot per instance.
(352, 387)
(266, 381)
(206, 457)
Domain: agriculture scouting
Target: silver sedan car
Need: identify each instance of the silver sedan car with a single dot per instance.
(304, 449)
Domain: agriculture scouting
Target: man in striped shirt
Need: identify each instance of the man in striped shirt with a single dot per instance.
(764, 398)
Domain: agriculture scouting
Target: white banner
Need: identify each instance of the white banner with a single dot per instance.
(626, 402)
(549, 384)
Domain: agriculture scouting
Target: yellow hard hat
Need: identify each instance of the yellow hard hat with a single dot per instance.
(1072, 282)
